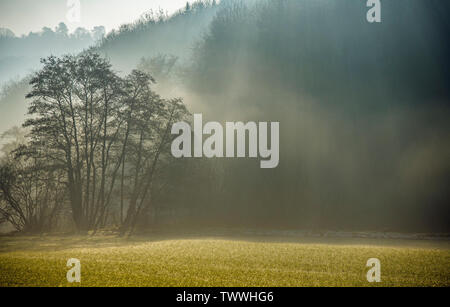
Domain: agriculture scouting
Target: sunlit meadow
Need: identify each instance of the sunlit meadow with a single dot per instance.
(109, 261)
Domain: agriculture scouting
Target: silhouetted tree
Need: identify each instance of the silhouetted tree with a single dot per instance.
(99, 126)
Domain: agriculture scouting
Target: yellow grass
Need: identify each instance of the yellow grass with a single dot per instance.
(108, 261)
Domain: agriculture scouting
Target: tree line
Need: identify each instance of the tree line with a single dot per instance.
(59, 40)
(97, 142)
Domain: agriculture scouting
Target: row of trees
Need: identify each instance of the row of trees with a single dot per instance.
(61, 31)
(58, 38)
(96, 142)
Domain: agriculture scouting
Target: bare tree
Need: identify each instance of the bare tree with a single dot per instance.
(100, 128)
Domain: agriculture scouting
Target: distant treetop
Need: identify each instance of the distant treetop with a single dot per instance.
(5, 32)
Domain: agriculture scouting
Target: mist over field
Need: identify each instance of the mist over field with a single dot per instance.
(363, 111)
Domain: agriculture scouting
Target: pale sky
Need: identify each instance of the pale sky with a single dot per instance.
(23, 16)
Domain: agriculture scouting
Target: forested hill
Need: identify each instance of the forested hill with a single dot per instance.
(327, 48)
(153, 34)
(156, 33)
(20, 55)
(307, 46)
(358, 102)
(363, 107)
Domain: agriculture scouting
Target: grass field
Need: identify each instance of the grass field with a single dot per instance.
(110, 261)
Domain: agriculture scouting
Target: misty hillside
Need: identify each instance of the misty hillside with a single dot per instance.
(156, 33)
(363, 108)
(153, 34)
(324, 47)
(19, 56)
